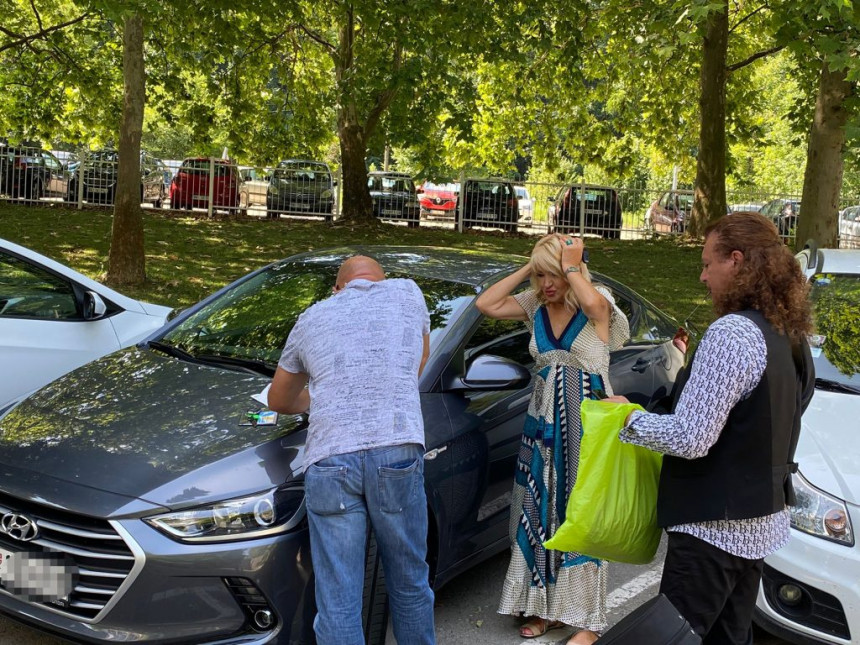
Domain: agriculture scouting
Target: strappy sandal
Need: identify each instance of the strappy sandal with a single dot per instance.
(538, 627)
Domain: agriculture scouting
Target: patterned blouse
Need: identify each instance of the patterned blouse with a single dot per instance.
(727, 366)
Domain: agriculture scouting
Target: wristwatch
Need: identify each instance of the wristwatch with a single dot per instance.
(572, 269)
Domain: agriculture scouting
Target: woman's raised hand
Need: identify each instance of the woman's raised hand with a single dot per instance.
(571, 250)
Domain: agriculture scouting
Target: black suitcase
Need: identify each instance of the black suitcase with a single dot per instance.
(657, 622)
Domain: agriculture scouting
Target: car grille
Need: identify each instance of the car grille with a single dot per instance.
(103, 558)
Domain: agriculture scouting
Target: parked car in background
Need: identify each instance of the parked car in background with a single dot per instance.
(670, 212)
(394, 197)
(53, 319)
(809, 590)
(600, 209)
(253, 188)
(301, 187)
(489, 202)
(100, 176)
(783, 213)
(157, 478)
(746, 207)
(438, 200)
(849, 228)
(190, 187)
(29, 172)
(525, 203)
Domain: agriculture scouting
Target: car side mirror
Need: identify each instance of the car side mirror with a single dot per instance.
(94, 306)
(488, 372)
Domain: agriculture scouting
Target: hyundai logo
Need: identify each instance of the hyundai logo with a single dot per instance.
(19, 527)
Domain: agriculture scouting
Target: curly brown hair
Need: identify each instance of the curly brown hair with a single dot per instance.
(769, 278)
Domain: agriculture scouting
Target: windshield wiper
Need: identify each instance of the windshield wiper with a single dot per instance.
(836, 386)
(248, 364)
(172, 350)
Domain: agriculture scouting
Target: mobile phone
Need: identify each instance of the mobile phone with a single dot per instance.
(599, 393)
(585, 257)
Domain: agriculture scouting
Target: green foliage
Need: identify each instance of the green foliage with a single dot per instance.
(609, 88)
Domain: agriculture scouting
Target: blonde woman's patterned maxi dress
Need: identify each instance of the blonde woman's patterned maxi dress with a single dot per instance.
(568, 587)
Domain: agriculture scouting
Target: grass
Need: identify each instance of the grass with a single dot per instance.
(189, 257)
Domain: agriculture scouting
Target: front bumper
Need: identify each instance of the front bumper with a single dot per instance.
(204, 593)
(828, 575)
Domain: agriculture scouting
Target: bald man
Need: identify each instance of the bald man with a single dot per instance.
(360, 352)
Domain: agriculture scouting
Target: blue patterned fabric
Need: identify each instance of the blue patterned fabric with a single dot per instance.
(571, 386)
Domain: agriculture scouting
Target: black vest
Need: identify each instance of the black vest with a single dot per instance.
(746, 473)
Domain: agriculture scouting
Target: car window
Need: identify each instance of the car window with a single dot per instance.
(506, 338)
(51, 162)
(27, 291)
(646, 327)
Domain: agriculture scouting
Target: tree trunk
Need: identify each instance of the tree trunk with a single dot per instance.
(356, 205)
(126, 258)
(710, 189)
(822, 179)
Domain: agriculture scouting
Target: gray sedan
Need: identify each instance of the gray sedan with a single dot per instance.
(167, 503)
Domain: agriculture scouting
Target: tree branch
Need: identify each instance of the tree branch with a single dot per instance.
(747, 17)
(762, 54)
(39, 35)
(38, 17)
(316, 37)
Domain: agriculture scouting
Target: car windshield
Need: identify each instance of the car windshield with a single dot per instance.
(252, 320)
(388, 184)
(835, 344)
(109, 156)
(303, 175)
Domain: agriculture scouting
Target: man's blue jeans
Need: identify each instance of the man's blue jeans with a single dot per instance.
(386, 486)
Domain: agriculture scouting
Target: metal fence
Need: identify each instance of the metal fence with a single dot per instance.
(309, 189)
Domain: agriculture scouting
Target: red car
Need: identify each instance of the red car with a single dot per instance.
(190, 186)
(439, 199)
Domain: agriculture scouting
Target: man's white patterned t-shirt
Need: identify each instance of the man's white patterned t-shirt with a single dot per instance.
(361, 349)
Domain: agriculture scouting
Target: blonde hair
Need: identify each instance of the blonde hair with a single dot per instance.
(546, 258)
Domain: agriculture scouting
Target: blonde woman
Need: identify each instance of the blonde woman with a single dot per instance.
(574, 324)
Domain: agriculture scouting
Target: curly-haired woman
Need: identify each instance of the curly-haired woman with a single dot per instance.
(729, 443)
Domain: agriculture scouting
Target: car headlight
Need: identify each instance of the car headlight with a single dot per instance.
(820, 514)
(326, 193)
(255, 516)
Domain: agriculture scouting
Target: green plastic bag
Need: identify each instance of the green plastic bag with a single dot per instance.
(612, 510)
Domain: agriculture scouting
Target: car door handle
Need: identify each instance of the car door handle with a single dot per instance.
(430, 455)
(642, 364)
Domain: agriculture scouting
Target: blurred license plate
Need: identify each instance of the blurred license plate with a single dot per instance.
(5, 557)
(98, 190)
(486, 215)
(391, 211)
(200, 197)
(38, 577)
(299, 205)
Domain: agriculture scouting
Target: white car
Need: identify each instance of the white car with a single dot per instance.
(849, 228)
(810, 591)
(53, 319)
(525, 204)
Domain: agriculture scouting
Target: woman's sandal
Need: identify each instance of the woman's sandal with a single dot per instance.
(538, 627)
